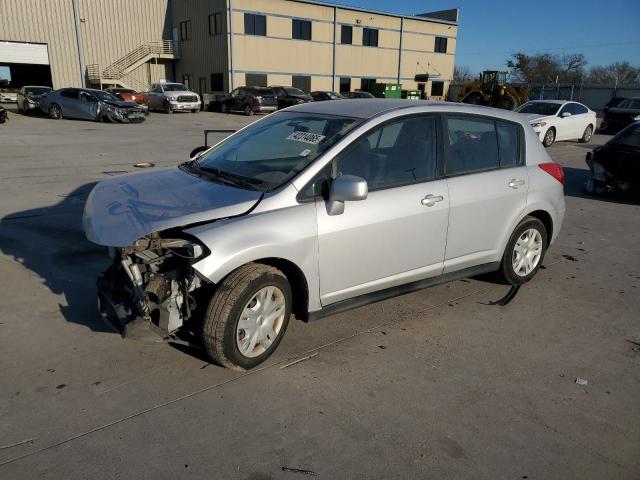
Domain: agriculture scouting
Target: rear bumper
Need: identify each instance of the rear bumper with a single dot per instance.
(264, 108)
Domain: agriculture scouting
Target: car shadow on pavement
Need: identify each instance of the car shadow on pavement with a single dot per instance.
(50, 242)
(575, 180)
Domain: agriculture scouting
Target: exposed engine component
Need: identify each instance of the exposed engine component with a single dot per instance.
(150, 282)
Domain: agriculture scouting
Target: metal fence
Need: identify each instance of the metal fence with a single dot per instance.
(593, 96)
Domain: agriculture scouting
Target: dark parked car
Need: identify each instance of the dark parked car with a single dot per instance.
(88, 104)
(249, 100)
(29, 97)
(3, 115)
(288, 96)
(616, 118)
(320, 96)
(614, 102)
(615, 166)
(357, 94)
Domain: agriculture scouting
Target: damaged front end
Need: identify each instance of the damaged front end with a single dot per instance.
(148, 292)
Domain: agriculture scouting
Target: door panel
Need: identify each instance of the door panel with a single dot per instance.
(388, 239)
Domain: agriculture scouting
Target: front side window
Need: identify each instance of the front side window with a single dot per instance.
(301, 29)
(475, 144)
(255, 24)
(273, 150)
(370, 37)
(400, 152)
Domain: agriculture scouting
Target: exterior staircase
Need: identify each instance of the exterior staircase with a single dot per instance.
(119, 72)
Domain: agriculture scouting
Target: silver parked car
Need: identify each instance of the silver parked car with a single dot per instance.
(170, 97)
(320, 208)
(89, 104)
(29, 97)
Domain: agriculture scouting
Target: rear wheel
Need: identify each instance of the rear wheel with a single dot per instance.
(525, 252)
(588, 133)
(55, 111)
(549, 137)
(247, 316)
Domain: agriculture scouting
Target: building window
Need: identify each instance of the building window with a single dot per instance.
(215, 23)
(370, 37)
(437, 89)
(367, 84)
(255, 24)
(346, 35)
(202, 85)
(301, 29)
(441, 45)
(303, 82)
(217, 83)
(345, 84)
(255, 80)
(187, 80)
(185, 30)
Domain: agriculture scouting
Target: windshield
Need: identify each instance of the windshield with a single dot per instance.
(629, 136)
(633, 103)
(275, 149)
(37, 90)
(105, 96)
(293, 91)
(174, 87)
(539, 108)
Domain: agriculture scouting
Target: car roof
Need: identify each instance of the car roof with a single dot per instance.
(35, 86)
(559, 102)
(370, 107)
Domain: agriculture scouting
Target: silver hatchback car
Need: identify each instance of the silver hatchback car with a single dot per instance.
(317, 209)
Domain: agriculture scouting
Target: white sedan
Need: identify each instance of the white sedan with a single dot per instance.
(559, 120)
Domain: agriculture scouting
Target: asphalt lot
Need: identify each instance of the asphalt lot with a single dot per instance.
(435, 384)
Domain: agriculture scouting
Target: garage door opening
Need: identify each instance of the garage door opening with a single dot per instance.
(24, 64)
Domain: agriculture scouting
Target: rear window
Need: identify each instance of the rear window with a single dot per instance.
(259, 91)
(37, 90)
(539, 108)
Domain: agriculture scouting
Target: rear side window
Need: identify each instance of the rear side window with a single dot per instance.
(71, 93)
(477, 144)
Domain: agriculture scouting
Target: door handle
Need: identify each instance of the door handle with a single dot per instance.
(430, 200)
(516, 183)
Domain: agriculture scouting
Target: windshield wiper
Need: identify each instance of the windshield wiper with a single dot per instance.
(230, 178)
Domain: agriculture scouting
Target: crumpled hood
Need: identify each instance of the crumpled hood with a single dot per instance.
(536, 117)
(121, 103)
(122, 209)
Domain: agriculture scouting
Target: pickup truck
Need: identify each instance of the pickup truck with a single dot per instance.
(170, 97)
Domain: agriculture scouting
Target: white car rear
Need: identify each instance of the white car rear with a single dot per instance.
(556, 120)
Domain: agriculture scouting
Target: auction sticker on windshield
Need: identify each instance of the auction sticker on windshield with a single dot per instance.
(306, 137)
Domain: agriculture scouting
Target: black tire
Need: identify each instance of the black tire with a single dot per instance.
(195, 110)
(507, 272)
(586, 136)
(507, 102)
(167, 108)
(223, 313)
(55, 112)
(224, 108)
(549, 137)
(248, 111)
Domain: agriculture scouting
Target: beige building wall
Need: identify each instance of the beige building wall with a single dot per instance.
(109, 30)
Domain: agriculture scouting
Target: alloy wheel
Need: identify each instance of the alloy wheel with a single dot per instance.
(260, 321)
(527, 252)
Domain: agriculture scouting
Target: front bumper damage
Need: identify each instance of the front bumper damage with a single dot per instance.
(148, 291)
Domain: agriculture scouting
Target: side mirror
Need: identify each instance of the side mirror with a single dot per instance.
(346, 188)
(566, 114)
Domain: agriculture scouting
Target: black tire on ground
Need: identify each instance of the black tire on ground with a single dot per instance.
(223, 313)
(507, 272)
(248, 111)
(224, 108)
(55, 112)
(507, 102)
(167, 108)
(195, 110)
(549, 137)
(588, 133)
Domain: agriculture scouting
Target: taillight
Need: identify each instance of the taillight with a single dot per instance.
(553, 169)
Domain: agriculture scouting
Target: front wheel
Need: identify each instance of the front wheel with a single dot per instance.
(248, 111)
(549, 137)
(525, 252)
(167, 108)
(55, 112)
(224, 108)
(586, 136)
(247, 316)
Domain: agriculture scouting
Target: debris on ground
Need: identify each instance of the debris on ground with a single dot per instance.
(295, 362)
(28, 440)
(581, 381)
(570, 258)
(298, 470)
